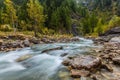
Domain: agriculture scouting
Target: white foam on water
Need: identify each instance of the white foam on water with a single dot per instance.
(13, 55)
(11, 67)
(41, 66)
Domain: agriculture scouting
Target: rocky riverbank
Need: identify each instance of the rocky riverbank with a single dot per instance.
(101, 64)
(12, 42)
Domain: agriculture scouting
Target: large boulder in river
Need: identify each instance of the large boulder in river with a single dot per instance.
(83, 62)
(81, 66)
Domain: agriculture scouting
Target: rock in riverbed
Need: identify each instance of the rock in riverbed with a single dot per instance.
(115, 39)
(116, 60)
(84, 66)
(26, 43)
(1, 41)
(24, 57)
(79, 73)
(47, 50)
(83, 62)
(81, 66)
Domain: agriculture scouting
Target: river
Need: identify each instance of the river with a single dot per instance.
(42, 66)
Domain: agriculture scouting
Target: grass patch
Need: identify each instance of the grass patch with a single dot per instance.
(31, 34)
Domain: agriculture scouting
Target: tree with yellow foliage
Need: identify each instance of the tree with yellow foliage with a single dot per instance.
(35, 13)
(10, 13)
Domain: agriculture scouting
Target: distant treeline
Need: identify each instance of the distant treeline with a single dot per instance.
(59, 16)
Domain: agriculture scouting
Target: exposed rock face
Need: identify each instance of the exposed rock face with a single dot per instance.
(112, 35)
(115, 30)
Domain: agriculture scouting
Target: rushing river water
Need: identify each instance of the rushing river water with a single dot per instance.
(42, 66)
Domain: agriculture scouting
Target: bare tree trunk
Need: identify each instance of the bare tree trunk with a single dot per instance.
(35, 32)
(13, 24)
(35, 29)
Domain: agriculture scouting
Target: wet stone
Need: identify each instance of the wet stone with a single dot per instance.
(24, 57)
(85, 62)
(79, 73)
(1, 42)
(116, 60)
(26, 43)
(52, 49)
(64, 54)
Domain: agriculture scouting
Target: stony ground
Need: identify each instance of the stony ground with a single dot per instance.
(12, 42)
(103, 65)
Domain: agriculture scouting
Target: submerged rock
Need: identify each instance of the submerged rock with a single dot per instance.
(64, 54)
(47, 50)
(64, 75)
(24, 57)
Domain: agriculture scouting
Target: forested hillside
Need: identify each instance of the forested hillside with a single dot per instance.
(59, 16)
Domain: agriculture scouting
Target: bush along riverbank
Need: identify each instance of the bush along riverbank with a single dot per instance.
(13, 42)
(102, 64)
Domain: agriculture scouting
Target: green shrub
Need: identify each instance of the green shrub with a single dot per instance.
(114, 22)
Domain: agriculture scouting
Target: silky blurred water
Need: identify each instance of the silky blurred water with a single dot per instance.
(42, 66)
